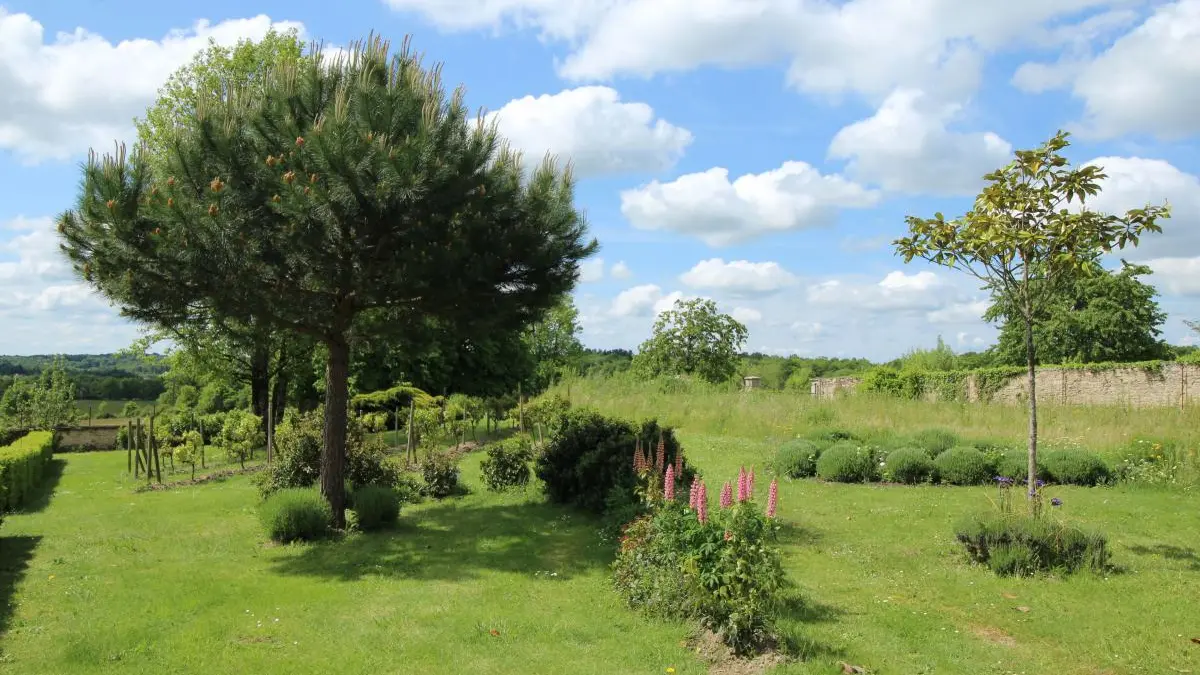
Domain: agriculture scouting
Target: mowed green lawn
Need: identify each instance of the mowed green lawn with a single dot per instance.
(182, 581)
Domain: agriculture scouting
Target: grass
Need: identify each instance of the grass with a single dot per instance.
(111, 408)
(104, 580)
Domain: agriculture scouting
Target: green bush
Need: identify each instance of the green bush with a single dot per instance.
(1014, 464)
(935, 441)
(297, 462)
(1023, 545)
(725, 573)
(376, 507)
(964, 466)
(1075, 467)
(440, 472)
(296, 514)
(797, 458)
(507, 464)
(589, 461)
(23, 464)
(846, 462)
(826, 437)
(909, 465)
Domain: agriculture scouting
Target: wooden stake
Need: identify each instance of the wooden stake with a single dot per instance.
(128, 446)
(411, 450)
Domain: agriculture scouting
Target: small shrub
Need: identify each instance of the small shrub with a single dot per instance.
(408, 488)
(507, 464)
(846, 462)
(910, 466)
(1025, 545)
(797, 458)
(935, 441)
(296, 514)
(440, 471)
(297, 461)
(829, 436)
(1014, 464)
(1075, 467)
(964, 466)
(376, 507)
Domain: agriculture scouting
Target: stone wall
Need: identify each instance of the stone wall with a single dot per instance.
(1172, 385)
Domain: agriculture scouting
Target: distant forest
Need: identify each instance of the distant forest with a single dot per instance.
(109, 377)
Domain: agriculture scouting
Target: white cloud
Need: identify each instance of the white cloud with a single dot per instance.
(807, 331)
(746, 314)
(738, 277)
(707, 205)
(1147, 81)
(863, 46)
(1177, 276)
(897, 291)
(906, 147)
(81, 91)
(593, 128)
(620, 270)
(1134, 182)
(959, 312)
(636, 301)
(591, 270)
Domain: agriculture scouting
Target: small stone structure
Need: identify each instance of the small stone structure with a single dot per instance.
(751, 382)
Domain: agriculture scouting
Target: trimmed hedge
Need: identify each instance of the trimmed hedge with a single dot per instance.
(797, 458)
(296, 514)
(846, 462)
(1075, 467)
(965, 466)
(910, 466)
(23, 464)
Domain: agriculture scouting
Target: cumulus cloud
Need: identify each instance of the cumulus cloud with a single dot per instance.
(645, 300)
(746, 314)
(960, 312)
(854, 46)
(620, 270)
(906, 147)
(80, 90)
(738, 277)
(897, 291)
(1147, 81)
(1177, 276)
(1134, 182)
(591, 270)
(720, 212)
(594, 129)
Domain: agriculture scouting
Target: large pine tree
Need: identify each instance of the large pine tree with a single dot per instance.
(337, 198)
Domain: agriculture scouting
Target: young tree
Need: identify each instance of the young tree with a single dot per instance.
(693, 338)
(1107, 316)
(329, 193)
(1028, 233)
(43, 402)
(554, 344)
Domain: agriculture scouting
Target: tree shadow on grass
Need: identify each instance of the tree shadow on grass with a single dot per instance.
(1171, 552)
(15, 554)
(39, 497)
(792, 534)
(450, 542)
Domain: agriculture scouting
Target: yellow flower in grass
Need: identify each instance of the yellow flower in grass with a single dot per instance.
(670, 669)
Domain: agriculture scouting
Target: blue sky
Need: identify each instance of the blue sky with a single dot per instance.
(762, 153)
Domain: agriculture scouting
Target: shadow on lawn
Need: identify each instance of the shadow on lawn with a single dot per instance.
(39, 498)
(1171, 552)
(15, 554)
(451, 542)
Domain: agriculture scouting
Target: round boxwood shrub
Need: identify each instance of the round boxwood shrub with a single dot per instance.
(909, 465)
(964, 466)
(376, 507)
(1014, 464)
(797, 458)
(846, 462)
(295, 514)
(1075, 467)
(935, 441)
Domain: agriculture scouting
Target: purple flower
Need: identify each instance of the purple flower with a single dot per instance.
(1056, 502)
(1039, 483)
(1004, 481)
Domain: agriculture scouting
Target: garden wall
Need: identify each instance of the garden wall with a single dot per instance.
(1172, 384)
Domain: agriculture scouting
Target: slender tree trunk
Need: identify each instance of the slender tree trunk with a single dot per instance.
(260, 383)
(270, 421)
(520, 408)
(333, 452)
(1030, 362)
(279, 396)
(411, 445)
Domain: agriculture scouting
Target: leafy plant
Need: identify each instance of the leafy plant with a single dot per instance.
(507, 464)
(1076, 467)
(375, 507)
(297, 461)
(240, 435)
(846, 462)
(935, 441)
(909, 465)
(1024, 545)
(797, 458)
(295, 514)
(964, 465)
(440, 471)
(692, 338)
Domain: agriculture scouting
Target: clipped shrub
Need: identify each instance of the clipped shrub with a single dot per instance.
(724, 573)
(797, 458)
(846, 462)
(440, 472)
(507, 464)
(296, 514)
(1075, 467)
(964, 465)
(828, 436)
(297, 461)
(376, 507)
(910, 466)
(1014, 464)
(935, 441)
(588, 463)
(1020, 545)
(23, 465)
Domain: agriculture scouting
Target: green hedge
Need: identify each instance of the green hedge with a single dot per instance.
(23, 464)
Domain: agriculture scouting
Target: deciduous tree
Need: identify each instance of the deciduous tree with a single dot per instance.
(693, 338)
(1028, 233)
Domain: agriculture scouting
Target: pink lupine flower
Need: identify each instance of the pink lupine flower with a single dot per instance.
(694, 498)
(727, 496)
(679, 462)
(772, 498)
(752, 481)
(702, 504)
(669, 484)
(728, 535)
(661, 456)
(743, 486)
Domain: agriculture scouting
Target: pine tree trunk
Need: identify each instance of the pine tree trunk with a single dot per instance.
(279, 396)
(333, 452)
(1030, 362)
